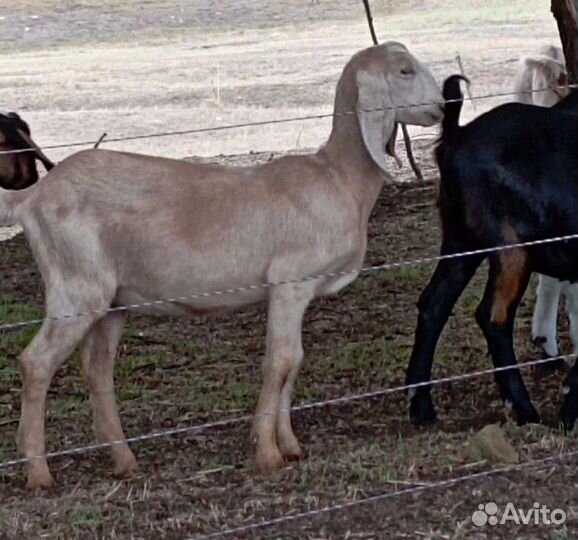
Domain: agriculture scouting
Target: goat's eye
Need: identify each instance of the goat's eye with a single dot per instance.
(407, 71)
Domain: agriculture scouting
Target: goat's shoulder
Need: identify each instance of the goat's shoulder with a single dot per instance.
(293, 170)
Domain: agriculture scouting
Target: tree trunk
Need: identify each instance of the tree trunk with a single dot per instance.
(565, 13)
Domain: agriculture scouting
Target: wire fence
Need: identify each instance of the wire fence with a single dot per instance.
(302, 118)
(267, 285)
(226, 422)
(80, 450)
(451, 482)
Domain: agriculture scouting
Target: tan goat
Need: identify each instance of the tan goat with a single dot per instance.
(110, 228)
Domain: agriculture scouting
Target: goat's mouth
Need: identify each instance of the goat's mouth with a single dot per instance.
(434, 116)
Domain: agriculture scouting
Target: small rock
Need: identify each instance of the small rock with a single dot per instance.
(491, 444)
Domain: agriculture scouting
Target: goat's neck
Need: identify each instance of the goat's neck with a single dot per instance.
(346, 151)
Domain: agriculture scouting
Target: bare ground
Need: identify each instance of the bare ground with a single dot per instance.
(150, 74)
(176, 373)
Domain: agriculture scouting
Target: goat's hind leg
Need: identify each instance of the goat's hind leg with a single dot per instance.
(569, 410)
(545, 318)
(435, 305)
(97, 353)
(55, 341)
(545, 321)
(571, 292)
(508, 279)
(272, 424)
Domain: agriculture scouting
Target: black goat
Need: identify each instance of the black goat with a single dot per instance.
(510, 176)
(18, 171)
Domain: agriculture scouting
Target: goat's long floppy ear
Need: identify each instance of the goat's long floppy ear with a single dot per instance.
(39, 153)
(390, 146)
(546, 64)
(376, 117)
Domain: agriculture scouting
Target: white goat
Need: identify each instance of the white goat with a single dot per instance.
(540, 81)
(110, 228)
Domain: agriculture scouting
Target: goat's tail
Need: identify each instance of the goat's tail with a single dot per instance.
(9, 202)
(454, 99)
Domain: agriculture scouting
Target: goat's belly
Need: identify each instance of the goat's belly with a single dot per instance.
(188, 304)
(334, 285)
(558, 260)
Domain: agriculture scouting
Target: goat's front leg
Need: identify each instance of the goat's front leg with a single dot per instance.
(571, 292)
(272, 426)
(55, 341)
(508, 279)
(569, 410)
(97, 354)
(435, 305)
(545, 318)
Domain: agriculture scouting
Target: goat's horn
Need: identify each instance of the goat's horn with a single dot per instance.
(39, 153)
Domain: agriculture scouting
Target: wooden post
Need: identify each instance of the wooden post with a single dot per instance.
(566, 15)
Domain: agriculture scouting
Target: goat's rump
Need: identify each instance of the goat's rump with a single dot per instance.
(520, 185)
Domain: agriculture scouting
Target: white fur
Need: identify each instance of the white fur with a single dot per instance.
(545, 71)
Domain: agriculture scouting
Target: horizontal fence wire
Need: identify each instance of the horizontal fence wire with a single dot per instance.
(449, 483)
(293, 281)
(277, 121)
(297, 408)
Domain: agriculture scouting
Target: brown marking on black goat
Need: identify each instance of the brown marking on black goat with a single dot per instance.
(511, 276)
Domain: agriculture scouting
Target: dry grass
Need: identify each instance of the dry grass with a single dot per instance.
(274, 59)
(78, 91)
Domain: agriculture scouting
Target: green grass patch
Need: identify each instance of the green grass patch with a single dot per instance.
(13, 341)
(85, 518)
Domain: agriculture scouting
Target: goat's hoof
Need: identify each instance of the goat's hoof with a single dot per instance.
(527, 416)
(568, 414)
(422, 411)
(291, 452)
(269, 461)
(39, 480)
(126, 466)
(568, 419)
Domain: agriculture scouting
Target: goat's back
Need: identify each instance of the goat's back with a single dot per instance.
(158, 228)
(515, 167)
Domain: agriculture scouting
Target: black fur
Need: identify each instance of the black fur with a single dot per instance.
(509, 176)
(23, 170)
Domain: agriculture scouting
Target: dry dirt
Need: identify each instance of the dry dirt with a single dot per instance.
(133, 70)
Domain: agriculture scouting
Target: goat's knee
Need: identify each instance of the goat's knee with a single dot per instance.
(499, 336)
